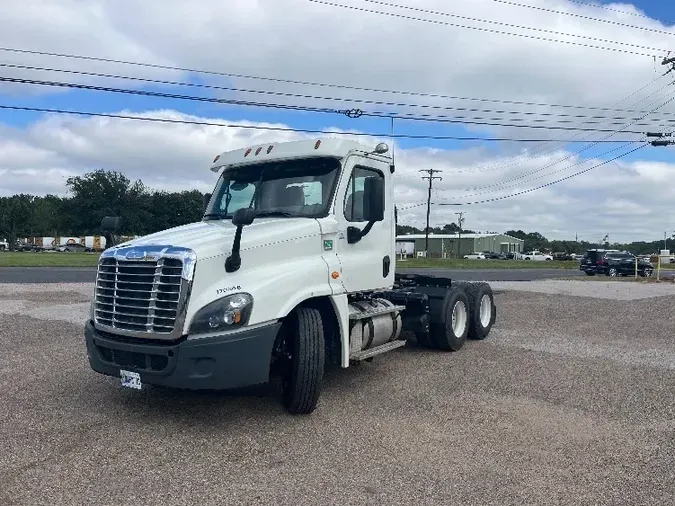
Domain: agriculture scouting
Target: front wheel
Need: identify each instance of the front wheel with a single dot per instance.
(304, 354)
(612, 272)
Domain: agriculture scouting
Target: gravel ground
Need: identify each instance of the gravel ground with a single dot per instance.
(569, 401)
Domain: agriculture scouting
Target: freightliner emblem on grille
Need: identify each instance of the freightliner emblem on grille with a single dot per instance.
(135, 254)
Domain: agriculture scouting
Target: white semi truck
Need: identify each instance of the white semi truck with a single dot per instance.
(291, 267)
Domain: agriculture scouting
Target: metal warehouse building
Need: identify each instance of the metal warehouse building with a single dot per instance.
(445, 245)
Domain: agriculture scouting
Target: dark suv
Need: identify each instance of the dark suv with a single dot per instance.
(613, 263)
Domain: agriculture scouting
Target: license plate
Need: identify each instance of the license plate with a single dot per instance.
(131, 379)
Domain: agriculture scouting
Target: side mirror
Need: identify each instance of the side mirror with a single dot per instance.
(243, 217)
(373, 199)
(205, 201)
(111, 224)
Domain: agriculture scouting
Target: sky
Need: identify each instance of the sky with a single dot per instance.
(508, 69)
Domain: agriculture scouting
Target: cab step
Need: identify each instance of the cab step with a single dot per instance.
(383, 348)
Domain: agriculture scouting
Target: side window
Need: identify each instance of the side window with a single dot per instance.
(354, 205)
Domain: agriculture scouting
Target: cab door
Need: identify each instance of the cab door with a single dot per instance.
(367, 263)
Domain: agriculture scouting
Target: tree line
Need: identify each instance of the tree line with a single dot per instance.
(90, 198)
(108, 193)
(536, 241)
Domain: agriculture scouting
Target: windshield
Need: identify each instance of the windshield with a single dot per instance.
(294, 188)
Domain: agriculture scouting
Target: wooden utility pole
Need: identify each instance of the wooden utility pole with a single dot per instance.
(431, 178)
(460, 222)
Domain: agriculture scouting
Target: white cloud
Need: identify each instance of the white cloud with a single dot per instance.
(300, 40)
(619, 197)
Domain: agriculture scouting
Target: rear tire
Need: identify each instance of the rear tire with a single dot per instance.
(302, 379)
(483, 311)
(450, 331)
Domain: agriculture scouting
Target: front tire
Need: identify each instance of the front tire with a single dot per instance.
(304, 347)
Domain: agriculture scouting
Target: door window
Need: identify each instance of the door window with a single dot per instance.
(354, 205)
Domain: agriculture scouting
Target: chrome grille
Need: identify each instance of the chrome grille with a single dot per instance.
(138, 295)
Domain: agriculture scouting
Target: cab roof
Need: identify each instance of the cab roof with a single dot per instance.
(338, 148)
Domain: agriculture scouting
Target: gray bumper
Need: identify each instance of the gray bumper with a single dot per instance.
(214, 363)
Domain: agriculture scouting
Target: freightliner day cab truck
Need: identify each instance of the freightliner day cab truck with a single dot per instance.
(291, 267)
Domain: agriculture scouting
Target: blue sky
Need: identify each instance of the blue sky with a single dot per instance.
(110, 102)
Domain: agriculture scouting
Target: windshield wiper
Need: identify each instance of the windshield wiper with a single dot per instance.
(216, 215)
(274, 213)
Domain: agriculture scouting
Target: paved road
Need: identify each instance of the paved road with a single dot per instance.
(560, 405)
(84, 275)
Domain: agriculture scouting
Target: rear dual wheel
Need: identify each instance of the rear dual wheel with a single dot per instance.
(482, 309)
(450, 330)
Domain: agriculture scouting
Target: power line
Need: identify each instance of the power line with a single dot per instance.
(571, 155)
(349, 113)
(409, 116)
(494, 199)
(608, 8)
(556, 140)
(582, 16)
(264, 128)
(510, 25)
(501, 187)
(482, 29)
(279, 80)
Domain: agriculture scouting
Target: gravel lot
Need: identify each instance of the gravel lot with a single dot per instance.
(569, 401)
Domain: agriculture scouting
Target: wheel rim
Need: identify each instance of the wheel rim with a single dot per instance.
(485, 310)
(612, 272)
(459, 318)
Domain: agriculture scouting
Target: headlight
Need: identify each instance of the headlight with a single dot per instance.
(223, 314)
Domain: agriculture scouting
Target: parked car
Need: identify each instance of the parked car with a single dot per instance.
(614, 263)
(75, 247)
(25, 246)
(562, 256)
(491, 255)
(475, 256)
(536, 255)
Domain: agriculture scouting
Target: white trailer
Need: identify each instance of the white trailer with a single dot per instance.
(292, 265)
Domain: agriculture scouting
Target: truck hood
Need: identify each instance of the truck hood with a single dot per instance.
(215, 238)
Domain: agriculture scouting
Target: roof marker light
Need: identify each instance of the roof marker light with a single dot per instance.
(247, 152)
(257, 151)
(317, 144)
(269, 148)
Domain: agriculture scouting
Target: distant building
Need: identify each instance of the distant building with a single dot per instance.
(445, 245)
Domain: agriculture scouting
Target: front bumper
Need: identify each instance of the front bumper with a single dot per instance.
(214, 363)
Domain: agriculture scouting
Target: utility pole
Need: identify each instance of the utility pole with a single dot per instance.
(431, 178)
(460, 222)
